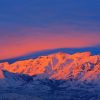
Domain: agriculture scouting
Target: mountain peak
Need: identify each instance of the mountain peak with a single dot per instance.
(81, 54)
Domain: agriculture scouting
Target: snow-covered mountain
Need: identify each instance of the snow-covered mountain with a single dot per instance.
(58, 76)
(81, 66)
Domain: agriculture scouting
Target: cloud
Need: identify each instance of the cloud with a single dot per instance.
(20, 45)
(27, 26)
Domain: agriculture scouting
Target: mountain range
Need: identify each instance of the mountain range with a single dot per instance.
(81, 66)
(57, 76)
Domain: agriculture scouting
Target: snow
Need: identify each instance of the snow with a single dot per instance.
(57, 76)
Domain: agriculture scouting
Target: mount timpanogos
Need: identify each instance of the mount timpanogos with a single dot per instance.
(81, 66)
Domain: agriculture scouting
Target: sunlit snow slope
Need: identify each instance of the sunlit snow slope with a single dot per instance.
(81, 66)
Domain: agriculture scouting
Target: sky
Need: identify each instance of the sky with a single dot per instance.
(32, 25)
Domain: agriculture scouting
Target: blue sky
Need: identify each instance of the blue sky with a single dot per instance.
(31, 21)
(79, 14)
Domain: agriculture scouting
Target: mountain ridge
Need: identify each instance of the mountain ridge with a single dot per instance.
(80, 65)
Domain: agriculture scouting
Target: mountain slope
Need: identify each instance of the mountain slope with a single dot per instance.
(81, 66)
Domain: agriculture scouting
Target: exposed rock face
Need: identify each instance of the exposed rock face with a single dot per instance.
(80, 66)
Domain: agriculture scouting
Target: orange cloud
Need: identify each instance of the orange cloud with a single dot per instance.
(17, 46)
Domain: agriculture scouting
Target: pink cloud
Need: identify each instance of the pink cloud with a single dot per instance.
(20, 45)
